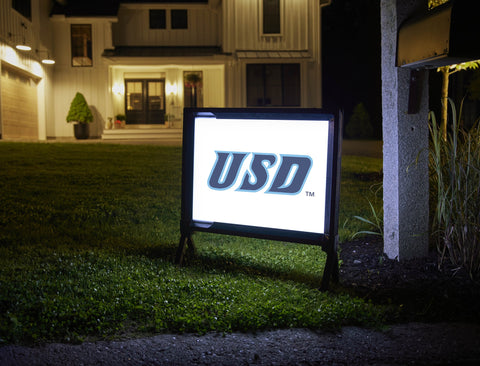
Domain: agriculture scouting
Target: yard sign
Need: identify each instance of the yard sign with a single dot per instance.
(263, 173)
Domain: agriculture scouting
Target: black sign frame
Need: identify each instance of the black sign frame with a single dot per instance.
(328, 240)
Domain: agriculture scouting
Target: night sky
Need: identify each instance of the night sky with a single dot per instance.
(351, 58)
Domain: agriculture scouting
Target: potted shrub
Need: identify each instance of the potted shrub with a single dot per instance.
(120, 120)
(81, 115)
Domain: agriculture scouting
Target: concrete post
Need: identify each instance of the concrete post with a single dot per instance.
(405, 144)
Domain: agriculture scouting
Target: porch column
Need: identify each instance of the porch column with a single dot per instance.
(405, 137)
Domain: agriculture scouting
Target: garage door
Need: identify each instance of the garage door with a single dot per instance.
(18, 105)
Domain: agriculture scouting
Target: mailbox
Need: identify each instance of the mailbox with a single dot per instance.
(446, 35)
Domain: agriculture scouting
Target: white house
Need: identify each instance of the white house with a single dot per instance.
(149, 60)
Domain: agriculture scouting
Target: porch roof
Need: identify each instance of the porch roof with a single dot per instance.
(163, 51)
(274, 54)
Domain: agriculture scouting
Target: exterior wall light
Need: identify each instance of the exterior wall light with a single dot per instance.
(46, 60)
(172, 89)
(22, 46)
(118, 89)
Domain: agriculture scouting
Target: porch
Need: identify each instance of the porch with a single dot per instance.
(144, 133)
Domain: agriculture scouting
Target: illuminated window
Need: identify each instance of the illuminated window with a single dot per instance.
(156, 95)
(145, 101)
(81, 45)
(134, 95)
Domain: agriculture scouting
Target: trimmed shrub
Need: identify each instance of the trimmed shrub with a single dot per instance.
(79, 110)
(359, 125)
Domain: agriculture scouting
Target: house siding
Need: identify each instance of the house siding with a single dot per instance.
(233, 26)
(11, 23)
(242, 26)
(91, 81)
(133, 28)
(214, 82)
(92, 84)
(36, 32)
(300, 23)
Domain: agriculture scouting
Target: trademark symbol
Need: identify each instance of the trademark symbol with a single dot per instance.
(309, 194)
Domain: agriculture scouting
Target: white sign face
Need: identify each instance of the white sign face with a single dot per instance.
(264, 173)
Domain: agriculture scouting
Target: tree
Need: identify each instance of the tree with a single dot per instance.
(359, 125)
(434, 3)
(446, 72)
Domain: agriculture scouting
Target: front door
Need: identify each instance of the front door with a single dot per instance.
(145, 101)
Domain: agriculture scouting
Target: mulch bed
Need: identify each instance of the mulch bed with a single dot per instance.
(424, 291)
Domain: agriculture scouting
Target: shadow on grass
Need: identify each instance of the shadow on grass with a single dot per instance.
(222, 262)
(240, 265)
(166, 252)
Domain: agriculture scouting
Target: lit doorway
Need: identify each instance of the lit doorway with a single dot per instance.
(145, 101)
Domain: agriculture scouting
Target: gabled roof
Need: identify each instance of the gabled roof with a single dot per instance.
(166, 1)
(92, 8)
(85, 8)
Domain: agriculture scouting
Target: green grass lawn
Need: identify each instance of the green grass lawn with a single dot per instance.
(88, 234)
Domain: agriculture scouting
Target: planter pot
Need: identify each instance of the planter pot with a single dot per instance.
(81, 131)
